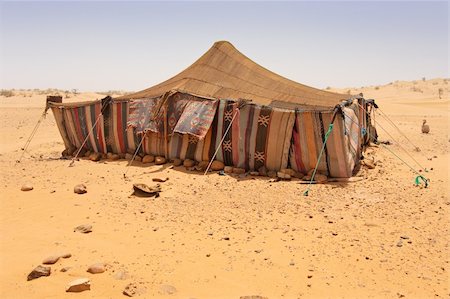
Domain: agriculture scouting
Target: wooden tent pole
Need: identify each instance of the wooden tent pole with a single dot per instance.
(166, 137)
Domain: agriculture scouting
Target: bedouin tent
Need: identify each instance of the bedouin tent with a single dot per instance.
(227, 103)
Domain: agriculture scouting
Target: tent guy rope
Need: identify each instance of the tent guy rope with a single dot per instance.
(220, 143)
(33, 133)
(419, 176)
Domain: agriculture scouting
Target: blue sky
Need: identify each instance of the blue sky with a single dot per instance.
(133, 45)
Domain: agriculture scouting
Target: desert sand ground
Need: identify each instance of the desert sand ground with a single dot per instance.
(224, 237)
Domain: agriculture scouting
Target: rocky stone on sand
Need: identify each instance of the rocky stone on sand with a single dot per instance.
(177, 162)
(202, 165)
(115, 157)
(132, 289)
(237, 170)
(39, 271)
(138, 158)
(84, 228)
(65, 269)
(368, 163)
(272, 174)
(80, 189)
(160, 180)
(289, 171)
(79, 285)
(166, 289)
(228, 169)
(217, 165)
(96, 268)
(318, 178)
(66, 255)
(188, 163)
(95, 157)
(283, 176)
(298, 175)
(254, 173)
(253, 297)
(27, 187)
(51, 260)
(148, 159)
(86, 154)
(262, 171)
(160, 160)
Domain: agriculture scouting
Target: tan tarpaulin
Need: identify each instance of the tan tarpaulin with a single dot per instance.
(224, 72)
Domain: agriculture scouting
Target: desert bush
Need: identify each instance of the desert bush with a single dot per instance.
(7, 93)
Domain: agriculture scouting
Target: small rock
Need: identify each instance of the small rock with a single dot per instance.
(80, 189)
(95, 157)
(65, 269)
(262, 171)
(79, 285)
(96, 268)
(84, 228)
(369, 164)
(133, 290)
(167, 289)
(320, 178)
(272, 174)
(160, 160)
(86, 154)
(290, 172)
(128, 156)
(148, 159)
(254, 173)
(138, 158)
(27, 187)
(115, 157)
(177, 162)
(238, 170)
(283, 176)
(159, 180)
(202, 165)
(217, 165)
(51, 260)
(66, 255)
(253, 297)
(298, 175)
(38, 272)
(228, 169)
(188, 163)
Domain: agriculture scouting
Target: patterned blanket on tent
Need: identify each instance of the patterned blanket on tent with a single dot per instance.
(122, 138)
(196, 118)
(246, 144)
(142, 115)
(79, 123)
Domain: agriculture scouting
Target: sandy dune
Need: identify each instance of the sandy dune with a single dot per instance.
(224, 237)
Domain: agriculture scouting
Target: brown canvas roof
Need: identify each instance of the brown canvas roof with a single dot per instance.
(224, 72)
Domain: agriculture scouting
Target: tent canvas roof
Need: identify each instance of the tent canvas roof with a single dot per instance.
(224, 72)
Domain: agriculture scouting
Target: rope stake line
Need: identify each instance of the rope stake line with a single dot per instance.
(330, 128)
(398, 143)
(135, 154)
(220, 143)
(27, 143)
(410, 167)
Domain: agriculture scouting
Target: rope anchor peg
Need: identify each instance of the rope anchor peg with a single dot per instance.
(423, 179)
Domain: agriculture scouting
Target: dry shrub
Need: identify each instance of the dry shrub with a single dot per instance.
(7, 93)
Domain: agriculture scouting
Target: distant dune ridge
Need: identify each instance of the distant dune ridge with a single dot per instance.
(227, 236)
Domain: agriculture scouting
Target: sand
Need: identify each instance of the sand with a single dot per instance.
(225, 237)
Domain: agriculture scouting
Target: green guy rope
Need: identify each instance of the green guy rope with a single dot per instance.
(330, 128)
